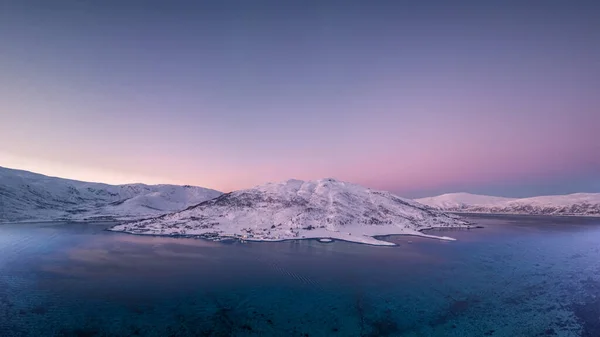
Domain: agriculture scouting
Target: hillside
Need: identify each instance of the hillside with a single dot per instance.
(587, 204)
(324, 208)
(27, 196)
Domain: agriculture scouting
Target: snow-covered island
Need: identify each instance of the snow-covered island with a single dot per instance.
(297, 209)
(585, 204)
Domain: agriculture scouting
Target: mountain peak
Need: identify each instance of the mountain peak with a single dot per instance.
(571, 204)
(32, 197)
(324, 208)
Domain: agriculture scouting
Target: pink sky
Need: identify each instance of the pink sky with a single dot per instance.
(430, 103)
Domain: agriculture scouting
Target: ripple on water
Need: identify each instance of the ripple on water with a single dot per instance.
(496, 281)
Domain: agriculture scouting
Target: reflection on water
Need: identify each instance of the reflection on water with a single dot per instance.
(517, 276)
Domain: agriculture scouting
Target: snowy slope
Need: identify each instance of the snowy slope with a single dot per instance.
(571, 204)
(455, 200)
(324, 208)
(27, 196)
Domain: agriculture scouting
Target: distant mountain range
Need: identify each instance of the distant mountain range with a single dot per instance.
(325, 208)
(572, 204)
(26, 196)
(294, 209)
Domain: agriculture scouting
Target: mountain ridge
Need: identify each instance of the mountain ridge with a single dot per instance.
(28, 196)
(587, 204)
(293, 209)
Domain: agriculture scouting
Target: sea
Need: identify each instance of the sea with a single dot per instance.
(515, 276)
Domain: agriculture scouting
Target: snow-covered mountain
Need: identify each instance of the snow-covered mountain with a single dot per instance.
(28, 196)
(324, 208)
(456, 200)
(571, 204)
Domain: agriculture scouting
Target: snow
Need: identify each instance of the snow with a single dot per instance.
(572, 204)
(560, 200)
(459, 199)
(27, 196)
(296, 209)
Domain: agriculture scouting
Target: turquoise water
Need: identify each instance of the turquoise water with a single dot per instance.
(518, 276)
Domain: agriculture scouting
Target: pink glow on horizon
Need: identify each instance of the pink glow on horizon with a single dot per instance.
(497, 95)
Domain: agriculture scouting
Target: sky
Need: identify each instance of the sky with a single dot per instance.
(415, 97)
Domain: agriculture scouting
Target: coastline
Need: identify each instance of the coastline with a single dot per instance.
(523, 214)
(144, 217)
(375, 239)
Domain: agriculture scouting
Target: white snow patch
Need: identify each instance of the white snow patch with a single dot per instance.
(571, 204)
(27, 196)
(297, 209)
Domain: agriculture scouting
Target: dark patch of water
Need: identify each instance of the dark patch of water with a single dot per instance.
(514, 277)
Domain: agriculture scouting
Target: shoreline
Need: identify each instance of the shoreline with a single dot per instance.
(25, 222)
(109, 219)
(524, 214)
(375, 240)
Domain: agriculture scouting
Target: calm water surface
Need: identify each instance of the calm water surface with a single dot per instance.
(518, 276)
